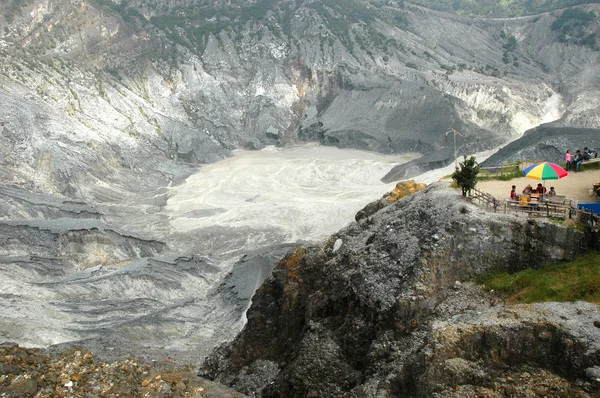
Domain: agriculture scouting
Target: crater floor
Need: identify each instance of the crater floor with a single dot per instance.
(223, 228)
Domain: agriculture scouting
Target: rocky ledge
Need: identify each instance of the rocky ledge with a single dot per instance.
(388, 307)
(26, 372)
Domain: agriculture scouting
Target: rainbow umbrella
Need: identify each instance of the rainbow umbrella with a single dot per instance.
(545, 171)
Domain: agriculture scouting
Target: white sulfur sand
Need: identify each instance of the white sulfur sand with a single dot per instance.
(306, 192)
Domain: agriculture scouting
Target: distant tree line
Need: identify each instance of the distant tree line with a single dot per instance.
(495, 8)
(572, 26)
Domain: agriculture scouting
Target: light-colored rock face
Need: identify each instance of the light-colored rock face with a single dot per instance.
(77, 78)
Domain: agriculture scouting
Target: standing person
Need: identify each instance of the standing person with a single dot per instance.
(568, 159)
(513, 193)
(551, 192)
(577, 160)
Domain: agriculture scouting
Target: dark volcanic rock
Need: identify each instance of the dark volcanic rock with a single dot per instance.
(384, 313)
(74, 240)
(473, 140)
(545, 143)
(419, 166)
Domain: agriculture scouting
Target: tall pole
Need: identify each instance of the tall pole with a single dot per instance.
(455, 155)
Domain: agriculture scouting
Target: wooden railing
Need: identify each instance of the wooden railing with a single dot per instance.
(543, 209)
(483, 199)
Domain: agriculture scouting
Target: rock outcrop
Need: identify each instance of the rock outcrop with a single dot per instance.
(388, 307)
(29, 372)
(401, 190)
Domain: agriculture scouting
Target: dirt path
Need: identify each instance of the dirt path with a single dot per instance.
(574, 186)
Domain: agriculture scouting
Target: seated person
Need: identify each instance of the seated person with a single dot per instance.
(589, 154)
(540, 189)
(528, 189)
(513, 193)
(551, 192)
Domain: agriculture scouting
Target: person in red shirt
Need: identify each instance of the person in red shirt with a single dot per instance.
(541, 189)
(513, 193)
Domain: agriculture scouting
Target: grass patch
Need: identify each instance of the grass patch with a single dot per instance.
(507, 173)
(578, 280)
(589, 166)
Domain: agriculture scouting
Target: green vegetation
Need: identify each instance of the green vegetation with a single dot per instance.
(589, 166)
(510, 48)
(577, 280)
(508, 172)
(114, 72)
(466, 175)
(131, 15)
(495, 8)
(339, 16)
(572, 17)
(511, 45)
(573, 26)
(190, 24)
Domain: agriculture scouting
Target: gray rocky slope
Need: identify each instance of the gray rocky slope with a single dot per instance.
(547, 143)
(105, 277)
(388, 307)
(91, 93)
(102, 108)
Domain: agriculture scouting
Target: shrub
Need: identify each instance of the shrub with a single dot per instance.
(466, 175)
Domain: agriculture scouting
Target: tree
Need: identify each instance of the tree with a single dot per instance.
(466, 174)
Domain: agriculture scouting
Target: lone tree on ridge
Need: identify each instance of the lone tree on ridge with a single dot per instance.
(466, 174)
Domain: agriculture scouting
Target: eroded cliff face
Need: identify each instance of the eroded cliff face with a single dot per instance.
(386, 308)
(98, 92)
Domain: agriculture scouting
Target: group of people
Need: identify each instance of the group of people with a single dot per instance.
(574, 161)
(528, 190)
